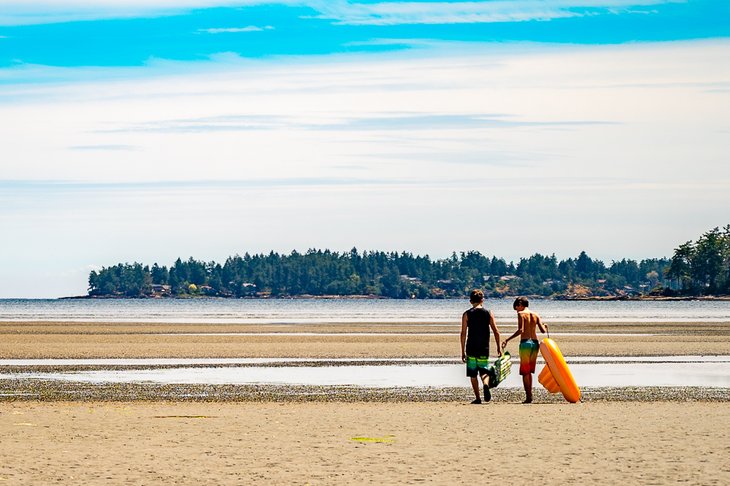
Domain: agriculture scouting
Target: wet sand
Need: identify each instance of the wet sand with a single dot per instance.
(370, 443)
(371, 340)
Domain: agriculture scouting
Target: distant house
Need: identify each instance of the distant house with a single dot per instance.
(446, 284)
(629, 290)
(207, 289)
(248, 288)
(161, 289)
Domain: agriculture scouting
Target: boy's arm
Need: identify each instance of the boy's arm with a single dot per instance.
(495, 331)
(520, 324)
(543, 327)
(463, 337)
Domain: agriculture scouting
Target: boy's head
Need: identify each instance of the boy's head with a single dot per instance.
(476, 296)
(521, 303)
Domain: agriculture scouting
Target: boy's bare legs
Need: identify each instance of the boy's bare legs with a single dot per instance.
(527, 382)
(487, 393)
(475, 386)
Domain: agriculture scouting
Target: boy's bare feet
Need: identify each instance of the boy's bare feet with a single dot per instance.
(487, 393)
(476, 401)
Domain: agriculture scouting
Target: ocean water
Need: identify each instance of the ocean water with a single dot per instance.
(312, 311)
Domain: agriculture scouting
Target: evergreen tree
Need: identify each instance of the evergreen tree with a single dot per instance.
(695, 268)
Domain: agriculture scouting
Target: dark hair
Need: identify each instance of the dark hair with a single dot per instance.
(520, 301)
(476, 296)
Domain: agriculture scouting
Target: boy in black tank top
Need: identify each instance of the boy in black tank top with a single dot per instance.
(475, 325)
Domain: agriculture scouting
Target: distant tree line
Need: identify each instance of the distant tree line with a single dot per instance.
(388, 274)
(702, 267)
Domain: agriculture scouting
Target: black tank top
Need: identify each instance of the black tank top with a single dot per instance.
(477, 336)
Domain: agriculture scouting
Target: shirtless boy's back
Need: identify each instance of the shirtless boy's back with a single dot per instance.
(527, 323)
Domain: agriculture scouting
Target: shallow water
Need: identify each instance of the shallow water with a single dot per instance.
(699, 371)
(380, 334)
(60, 362)
(308, 311)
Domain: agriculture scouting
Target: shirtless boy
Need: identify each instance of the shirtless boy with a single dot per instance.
(526, 323)
(475, 325)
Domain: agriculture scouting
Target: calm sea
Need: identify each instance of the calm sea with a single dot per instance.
(307, 311)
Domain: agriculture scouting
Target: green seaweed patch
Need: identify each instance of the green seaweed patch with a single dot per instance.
(184, 416)
(387, 439)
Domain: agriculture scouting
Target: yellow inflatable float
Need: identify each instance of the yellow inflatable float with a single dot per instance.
(556, 376)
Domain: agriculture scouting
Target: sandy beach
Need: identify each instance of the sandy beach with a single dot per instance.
(199, 434)
(370, 340)
(370, 443)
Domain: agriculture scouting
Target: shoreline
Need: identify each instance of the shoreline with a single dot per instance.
(608, 298)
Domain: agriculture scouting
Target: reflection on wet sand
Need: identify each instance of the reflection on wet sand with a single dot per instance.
(694, 371)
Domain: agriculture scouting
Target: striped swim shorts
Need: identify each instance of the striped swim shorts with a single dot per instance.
(528, 355)
(476, 365)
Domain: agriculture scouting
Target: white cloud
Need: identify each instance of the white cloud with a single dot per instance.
(302, 118)
(234, 155)
(232, 30)
(21, 12)
(103, 147)
(393, 13)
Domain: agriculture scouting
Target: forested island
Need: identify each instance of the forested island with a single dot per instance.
(696, 269)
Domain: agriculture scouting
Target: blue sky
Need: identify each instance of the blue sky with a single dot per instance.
(302, 28)
(150, 130)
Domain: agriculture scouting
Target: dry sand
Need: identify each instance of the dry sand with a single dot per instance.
(300, 435)
(387, 340)
(341, 443)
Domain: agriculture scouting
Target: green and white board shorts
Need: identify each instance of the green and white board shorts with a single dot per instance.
(477, 365)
